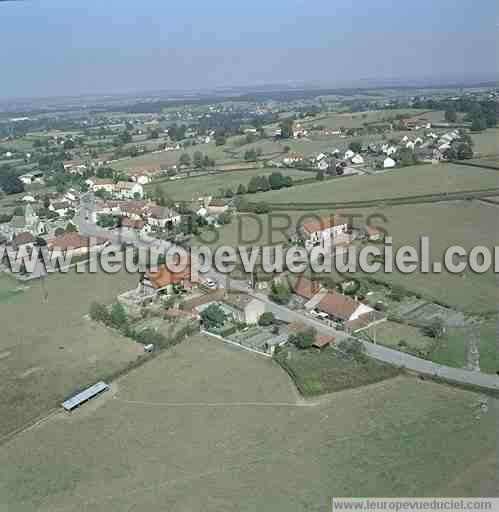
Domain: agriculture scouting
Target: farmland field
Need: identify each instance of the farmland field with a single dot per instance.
(188, 188)
(317, 372)
(316, 143)
(451, 350)
(169, 158)
(357, 119)
(207, 427)
(408, 181)
(448, 223)
(487, 142)
(48, 349)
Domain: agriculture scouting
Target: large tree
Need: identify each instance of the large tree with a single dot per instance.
(213, 316)
(286, 127)
(184, 160)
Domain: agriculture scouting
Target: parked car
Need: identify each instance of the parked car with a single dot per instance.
(319, 314)
(209, 283)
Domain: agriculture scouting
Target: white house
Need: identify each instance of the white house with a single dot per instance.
(128, 190)
(389, 163)
(101, 184)
(121, 190)
(27, 178)
(202, 212)
(323, 165)
(239, 307)
(60, 207)
(159, 216)
(322, 231)
(142, 179)
(357, 159)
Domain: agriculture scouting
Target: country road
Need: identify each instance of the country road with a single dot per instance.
(375, 351)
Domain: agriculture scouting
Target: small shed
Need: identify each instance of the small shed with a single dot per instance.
(85, 395)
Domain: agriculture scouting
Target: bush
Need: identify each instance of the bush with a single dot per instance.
(118, 317)
(434, 330)
(280, 293)
(353, 349)
(266, 319)
(397, 293)
(304, 339)
(227, 331)
(213, 316)
(99, 313)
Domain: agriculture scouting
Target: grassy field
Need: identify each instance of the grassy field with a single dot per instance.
(465, 223)
(408, 181)
(169, 158)
(189, 188)
(48, 349)
(451, 350)
(358, 119)
(207, 427)
(321, 372)
(487, 142)
(402, 337)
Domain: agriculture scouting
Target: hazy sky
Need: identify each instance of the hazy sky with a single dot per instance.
(70, 47)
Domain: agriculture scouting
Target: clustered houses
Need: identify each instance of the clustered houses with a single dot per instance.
(75, 167)
(119, 190)
(139, 216)
(28, 222)
(299, 132)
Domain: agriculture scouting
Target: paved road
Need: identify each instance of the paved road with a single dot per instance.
(381, 353)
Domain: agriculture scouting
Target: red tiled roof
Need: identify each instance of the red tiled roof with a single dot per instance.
(321, 340)
(306, 288)
(23, 238)
(323, 223)
(338, 305)
(73, 241)
(372, 231)
(133, 224)
(164, 277)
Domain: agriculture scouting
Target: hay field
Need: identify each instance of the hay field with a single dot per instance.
(487, 142)
(465, 223)
(408, 181)
(189, 188)
(48, 349)
(169, 158)
(212, 428)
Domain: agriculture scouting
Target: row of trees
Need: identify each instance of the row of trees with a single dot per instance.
(198, 161)
(252, 155)
(275, 181)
